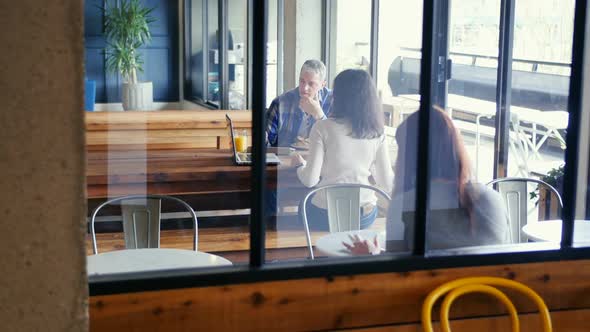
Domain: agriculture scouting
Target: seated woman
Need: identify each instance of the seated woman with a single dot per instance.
(348, 147)
(462, 213)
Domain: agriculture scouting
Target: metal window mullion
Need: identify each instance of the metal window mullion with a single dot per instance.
(329, 34)
(280, 45)
(249, 24)
(187, 46)
(504, 88)
(373, 65)
(222, 54)
(205, 64)
(257, 222)
(326, 35)
(441, 53)
(573, 131)
(427, 63)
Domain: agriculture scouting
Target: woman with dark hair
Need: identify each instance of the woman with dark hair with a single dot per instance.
(348, 147)
(462, 213)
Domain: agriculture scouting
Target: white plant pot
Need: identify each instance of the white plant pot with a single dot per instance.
(137, 96)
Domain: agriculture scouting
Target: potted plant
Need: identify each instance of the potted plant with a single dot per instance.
(548, 205)
(127, 29)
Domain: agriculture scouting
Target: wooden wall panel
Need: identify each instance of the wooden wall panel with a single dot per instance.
(116, 131)
(563, 321)
(329, 303)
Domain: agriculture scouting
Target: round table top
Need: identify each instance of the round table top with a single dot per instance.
(331, 244)
(550, 230)
(136, 260)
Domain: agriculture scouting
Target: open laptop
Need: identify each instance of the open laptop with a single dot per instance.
(245, 158)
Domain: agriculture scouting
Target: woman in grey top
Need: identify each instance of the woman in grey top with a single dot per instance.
(462, 213)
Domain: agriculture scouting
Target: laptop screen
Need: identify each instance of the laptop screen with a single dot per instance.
(231, 133)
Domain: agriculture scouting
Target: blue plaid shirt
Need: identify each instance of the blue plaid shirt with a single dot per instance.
(286, 120)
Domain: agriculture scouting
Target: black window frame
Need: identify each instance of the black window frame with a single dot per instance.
(258, 271)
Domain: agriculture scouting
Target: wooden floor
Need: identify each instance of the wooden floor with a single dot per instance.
(231, 242)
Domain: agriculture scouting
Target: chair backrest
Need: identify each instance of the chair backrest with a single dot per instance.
(343, 205)
(516, 195)
(141, 216)
(141, 222)
(456, 288)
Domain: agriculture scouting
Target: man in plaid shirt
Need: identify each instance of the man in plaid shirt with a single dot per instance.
(292, 114)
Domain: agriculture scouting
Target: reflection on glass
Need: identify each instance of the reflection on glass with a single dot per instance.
(463, 213)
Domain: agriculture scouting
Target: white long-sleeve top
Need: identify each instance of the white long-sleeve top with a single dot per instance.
(336, 157)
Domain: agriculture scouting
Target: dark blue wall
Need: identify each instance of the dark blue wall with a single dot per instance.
(160, 56)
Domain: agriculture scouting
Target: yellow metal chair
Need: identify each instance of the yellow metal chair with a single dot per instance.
(456, 288)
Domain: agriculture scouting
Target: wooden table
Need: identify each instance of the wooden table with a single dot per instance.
(208, 176)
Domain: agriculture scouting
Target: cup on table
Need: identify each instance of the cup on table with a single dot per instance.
(241, 141)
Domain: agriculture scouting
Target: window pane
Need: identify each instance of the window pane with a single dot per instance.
(543, 37)
(473, 48)
(467, 211)
(337, 151)
(350, 42)
(195, 52)
(213, 89)
(176, 155)
(464, 212)
(238, 53)
(272, 61)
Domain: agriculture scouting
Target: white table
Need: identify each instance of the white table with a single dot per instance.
(140, 260)
(550, 230)
(331, 244)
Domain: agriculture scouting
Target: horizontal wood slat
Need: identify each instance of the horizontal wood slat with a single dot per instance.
(330, 303)
(185, 119)
(107, 131)
(563, 321)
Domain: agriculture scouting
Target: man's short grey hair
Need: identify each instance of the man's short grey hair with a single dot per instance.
(315, 66)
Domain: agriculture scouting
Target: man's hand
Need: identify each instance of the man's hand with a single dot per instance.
(360, 246)
(311, 106)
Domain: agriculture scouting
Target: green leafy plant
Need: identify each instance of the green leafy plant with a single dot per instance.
(127, 29)
(555, 178)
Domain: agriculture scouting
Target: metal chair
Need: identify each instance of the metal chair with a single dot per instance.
(453, 289)
(515, 192)
(343, 202)
(141, 220)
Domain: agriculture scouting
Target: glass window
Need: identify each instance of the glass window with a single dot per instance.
(337, 152)
(238, 53)
(174, 163)
(471, 102)
(322, 138)
(350, 42)
(543, 34)
(213, 84)
(194, 62)
(272, 61)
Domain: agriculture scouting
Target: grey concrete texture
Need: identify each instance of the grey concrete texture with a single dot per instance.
(43, 284)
